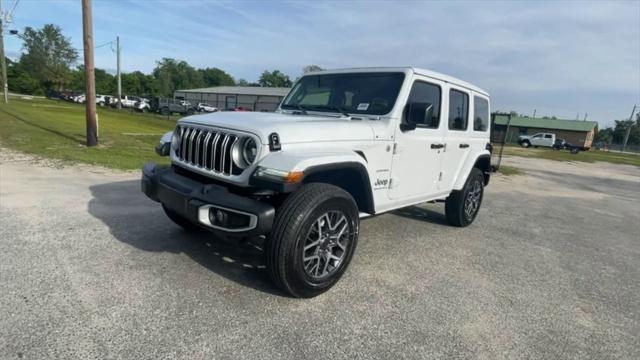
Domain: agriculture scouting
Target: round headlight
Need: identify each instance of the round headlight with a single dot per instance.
(244, 152)
(175, 139)
(249, 151)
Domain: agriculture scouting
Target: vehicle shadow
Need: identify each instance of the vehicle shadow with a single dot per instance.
(135, 220)
(422, 214)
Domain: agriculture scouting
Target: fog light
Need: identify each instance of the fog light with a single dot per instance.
(217, 217)
(226, 219)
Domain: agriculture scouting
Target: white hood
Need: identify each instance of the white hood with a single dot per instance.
(290, 128)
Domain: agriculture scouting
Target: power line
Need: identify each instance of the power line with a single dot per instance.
(110, 42)
(15, 3)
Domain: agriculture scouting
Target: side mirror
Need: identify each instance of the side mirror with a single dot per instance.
(417, 113)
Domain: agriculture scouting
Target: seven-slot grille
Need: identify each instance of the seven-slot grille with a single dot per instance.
(207, 149)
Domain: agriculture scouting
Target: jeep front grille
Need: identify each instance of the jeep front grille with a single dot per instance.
(207, 149)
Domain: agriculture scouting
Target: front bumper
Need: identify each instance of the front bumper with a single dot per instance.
(199, 203)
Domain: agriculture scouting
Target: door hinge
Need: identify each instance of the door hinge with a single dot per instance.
(440, 176)
(395, 148)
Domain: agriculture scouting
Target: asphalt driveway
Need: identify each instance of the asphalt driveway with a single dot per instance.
(90, 268)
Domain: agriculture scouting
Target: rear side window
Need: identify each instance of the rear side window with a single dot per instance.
(548, 136)
(480, 114)
(458, 110)
(425, 92)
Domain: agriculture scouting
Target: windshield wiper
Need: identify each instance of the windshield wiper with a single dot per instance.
(340, 110)
(301, 108)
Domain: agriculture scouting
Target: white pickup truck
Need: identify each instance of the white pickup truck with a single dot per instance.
(343, 145)
(535, 140)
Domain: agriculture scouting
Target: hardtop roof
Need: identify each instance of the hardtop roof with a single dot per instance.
(408, 69)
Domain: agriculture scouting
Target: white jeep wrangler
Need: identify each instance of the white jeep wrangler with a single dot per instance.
(343, 145)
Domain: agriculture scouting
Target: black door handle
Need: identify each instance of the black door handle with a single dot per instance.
(437, 146)
(464, 146)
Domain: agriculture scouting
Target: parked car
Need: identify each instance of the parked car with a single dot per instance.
(535, 140)
(167, 106)
(101, 100)
(302, 177)
(561, 144)
(127, 101)
(143, 105)
(204, 107)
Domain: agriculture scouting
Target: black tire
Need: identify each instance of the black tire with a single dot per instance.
(457, 203)
(301, 213)
(190, 112)
(181, 221)
(101, 103)
(165, 111)
(525, 144)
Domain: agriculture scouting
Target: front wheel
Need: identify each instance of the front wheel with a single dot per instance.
(461, 207)
(525, 144)
(313, 240)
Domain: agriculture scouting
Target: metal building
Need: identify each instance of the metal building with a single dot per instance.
(233, 97)
(577, 132)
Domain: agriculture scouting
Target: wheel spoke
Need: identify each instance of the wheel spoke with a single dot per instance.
(313, 244)
(309, 258)
(326, 264)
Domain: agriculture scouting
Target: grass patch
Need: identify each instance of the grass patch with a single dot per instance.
(509, 170)
(590, 156)
(56, 129)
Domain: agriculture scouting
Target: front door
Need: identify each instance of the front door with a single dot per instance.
(416, 161)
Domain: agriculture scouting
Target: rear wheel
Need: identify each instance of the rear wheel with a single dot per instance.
(313, 240)
(165, 111)
(461, 207)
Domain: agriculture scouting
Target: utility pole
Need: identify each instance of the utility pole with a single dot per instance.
(118, 72)
(585, 117)
(5, 85)
(626, 135)
(534, 112)
(89, 74)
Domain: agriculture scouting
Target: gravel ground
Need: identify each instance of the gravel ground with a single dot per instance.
(90, 268)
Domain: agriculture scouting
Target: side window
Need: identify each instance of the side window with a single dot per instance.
(458, 110)
(480, 114)
(548, 136)
(537, 136)
(424, 92)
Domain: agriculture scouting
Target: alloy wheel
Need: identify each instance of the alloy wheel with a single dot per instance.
(472, 201)
(326, 244)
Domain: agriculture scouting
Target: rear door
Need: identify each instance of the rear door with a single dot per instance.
(458, 146)
(416, 159)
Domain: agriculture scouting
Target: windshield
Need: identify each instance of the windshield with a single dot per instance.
(353, 93)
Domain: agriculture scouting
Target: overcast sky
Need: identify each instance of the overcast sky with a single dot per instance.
(561, 58)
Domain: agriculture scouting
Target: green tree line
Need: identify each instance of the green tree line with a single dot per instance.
(49, 63)
(616, 134)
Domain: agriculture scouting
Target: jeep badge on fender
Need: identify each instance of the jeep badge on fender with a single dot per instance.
(303, 176)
